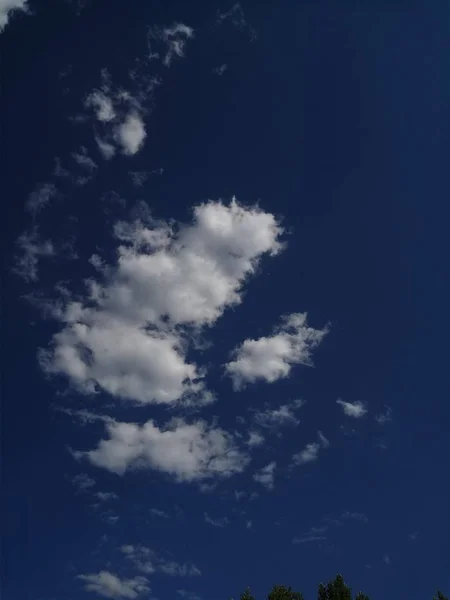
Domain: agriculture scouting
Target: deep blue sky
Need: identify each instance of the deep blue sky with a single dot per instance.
(334, 117)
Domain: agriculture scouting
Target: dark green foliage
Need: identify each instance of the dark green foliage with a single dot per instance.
(336, 589)
(247, 595)
(281, 592)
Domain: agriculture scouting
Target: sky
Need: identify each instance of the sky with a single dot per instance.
(225, 298)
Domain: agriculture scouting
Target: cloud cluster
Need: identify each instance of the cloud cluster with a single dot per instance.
(108, 585)
(271, 358)
(188, 452)
(124, 335)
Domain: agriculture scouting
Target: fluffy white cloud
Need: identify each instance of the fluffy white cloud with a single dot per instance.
(266, 475)
(254, 439)
(108, 585)
(124, 336)
(188, 452)
(277, 417)
(271, 358)
(9, 7)
(131, 134)
(353, 409)
(311, 451)
(147, 561)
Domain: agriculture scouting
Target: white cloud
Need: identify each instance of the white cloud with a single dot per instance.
(125, 335)
(83, 159)
(188, 452)
(277, 417)
(353, 409)
(108, 585)
(255, 439)
(311, 451)
(30, 249)
(271, 358)
(265, 476)
(8, 8)
(219, 522)
(147, 561)
(131, 134)
(248, 525)
(102, 104)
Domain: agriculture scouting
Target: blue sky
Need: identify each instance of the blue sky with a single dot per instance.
(225, 298)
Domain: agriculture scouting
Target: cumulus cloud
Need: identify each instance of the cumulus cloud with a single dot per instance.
(266, 475)
(125, 335)
(148, 561)
(271, 358)
(277, 417)
(8, 8)
(187, 452)
(108, 585)
(255, 439)
(353, 409)
(311, 451)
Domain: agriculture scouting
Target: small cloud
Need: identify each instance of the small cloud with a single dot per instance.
(384, 417)
(188, 595)
(308, 539)
(354, 516)
(148, 561)
(108, 585)
(31, 247)
(255, 439)
(278, 417)
(323, 440)
(83, 482)
(271, 358)
(105, 496)
(84, 160)
(353, 409)
(220, 522)
(387, 559)
(248, 525)
(220, 70)
(159, 513)
(414, 536)
(40, 197)
(265, 476)
(311, 451)
(131, 134)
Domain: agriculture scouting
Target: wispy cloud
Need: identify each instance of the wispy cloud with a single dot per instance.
(278, 417)
(83, 482)
(156, 512)
(355, 410)
(311, 451)
(217, 522)
(384, 417)
(148, 561)
(266, 475)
